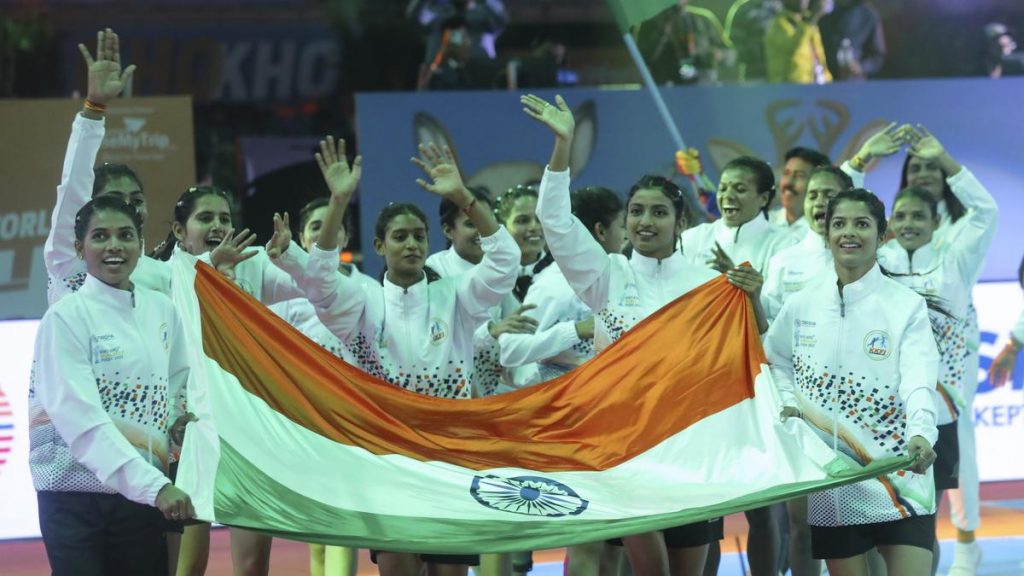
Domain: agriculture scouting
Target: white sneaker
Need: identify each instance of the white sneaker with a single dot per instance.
(966, 559)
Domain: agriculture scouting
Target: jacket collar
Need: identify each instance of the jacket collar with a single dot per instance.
(813, 242)
(406, 297)
(95, 288)
(648, 266)
(458, 263)
(902, 262)
(741, 234)
(864, 287)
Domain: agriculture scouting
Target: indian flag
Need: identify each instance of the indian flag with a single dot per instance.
(677, 422)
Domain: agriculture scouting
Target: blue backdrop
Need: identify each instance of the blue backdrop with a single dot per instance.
(620, 137)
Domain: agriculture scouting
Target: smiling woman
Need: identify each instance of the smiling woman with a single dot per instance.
(106, 398)
(108, 237)
(877, 334)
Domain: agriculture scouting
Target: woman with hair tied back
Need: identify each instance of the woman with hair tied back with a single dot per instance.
(417, 329)
(323, 560)
(854, 356)
(461, 256)
(946, 273)
(623, 292)
(80, 181)
(930, 168)
(105, 402)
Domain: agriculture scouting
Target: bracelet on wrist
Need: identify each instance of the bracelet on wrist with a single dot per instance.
(90, 105)
(468, 207)
(858, 163)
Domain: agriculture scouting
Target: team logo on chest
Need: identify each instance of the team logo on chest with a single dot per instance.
(630, 295)
(438, 331)
(877, 345)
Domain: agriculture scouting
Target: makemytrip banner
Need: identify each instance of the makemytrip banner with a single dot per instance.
(153, 136)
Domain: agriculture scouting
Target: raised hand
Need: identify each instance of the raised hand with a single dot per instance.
(884, 143)
(342, 179)
(927, 147)
(557, 117)
(440, 166)
(923, 144)
(1003, 365)
(282, 237)
(106, 78)
(230, 252)
(720, 261)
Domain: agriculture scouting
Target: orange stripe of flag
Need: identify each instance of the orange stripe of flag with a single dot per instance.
(695, 357)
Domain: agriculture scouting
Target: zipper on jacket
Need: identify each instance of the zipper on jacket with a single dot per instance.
(835, 396)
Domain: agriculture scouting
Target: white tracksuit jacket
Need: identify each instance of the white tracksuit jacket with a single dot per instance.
(792, 269)
(299, 313)
(556, 346)
(861, 367)
(489, 376)
(65, 271)
(620, 291)
(108, 380)
(420, 338)
(755, 242)
(949, 273)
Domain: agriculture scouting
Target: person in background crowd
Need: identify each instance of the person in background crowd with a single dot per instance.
(745, 27)
(854, 40)
(448, 68)
(683, 45)
(792, 45)
(485, 21)
(1003, 55)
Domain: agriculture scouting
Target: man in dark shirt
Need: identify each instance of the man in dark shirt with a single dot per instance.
(854, 40)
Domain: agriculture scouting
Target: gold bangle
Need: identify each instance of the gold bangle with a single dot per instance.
(858, 163)
(90, 105)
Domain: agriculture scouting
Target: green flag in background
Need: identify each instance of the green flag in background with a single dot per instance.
(630, 13)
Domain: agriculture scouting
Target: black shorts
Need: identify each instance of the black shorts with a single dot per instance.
(458, 559)
(947, 458)
(833, 542)
(689, 535)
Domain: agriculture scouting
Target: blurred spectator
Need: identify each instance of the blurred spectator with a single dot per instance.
(792, 45)
(745, 28)
(683, 45)
(854, 40)
(450, 68)
(485, 21)
(1003, 57)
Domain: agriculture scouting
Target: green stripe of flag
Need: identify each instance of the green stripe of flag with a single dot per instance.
(245, 496)
(630, 13)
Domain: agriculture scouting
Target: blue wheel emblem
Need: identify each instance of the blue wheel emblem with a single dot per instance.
(529, 495)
